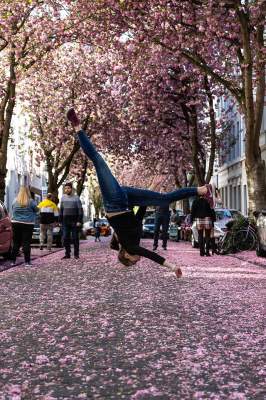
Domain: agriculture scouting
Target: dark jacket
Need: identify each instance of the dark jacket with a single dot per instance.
(201, 209)
(162, 211)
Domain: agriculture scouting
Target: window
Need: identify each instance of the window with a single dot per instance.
(234, 197)
(230, 196)
(245, 200)
(222, 195)
(238, 137)
(239, 198)
(226, 197)
(233, 142)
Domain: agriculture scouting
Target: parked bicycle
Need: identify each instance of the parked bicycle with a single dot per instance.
(240, 236)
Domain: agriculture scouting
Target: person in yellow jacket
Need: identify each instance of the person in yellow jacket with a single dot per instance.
(48, 217)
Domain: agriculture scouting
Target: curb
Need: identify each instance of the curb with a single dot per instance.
(258, 264)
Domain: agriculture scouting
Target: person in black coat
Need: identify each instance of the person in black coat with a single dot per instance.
(203, 214)
(162, 219)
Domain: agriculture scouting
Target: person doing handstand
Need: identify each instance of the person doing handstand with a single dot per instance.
(119, 200)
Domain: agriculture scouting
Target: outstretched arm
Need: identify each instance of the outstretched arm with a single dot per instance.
(151, 255)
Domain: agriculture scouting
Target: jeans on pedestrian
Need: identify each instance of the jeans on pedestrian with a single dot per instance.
(46, 230)
(161, 221)
(22, 235)
(121, 198)
(71, 234)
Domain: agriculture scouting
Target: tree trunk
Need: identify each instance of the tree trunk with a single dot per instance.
(256, 185)
(80, 185)
(212, 129)
(53, 187)
(3, 171)
(6, 113)
(253, 107)
(198, 162)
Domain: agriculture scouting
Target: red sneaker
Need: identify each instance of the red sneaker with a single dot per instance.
(209, 195)
(178, 272)
(72, 117)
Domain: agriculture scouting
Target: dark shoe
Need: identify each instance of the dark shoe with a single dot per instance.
(41, 248)
(208, 254)
(202, 254)
(154, 248)
(164, 247)
(76, 257)
(28, 264)
(72, 117)
(65, 257)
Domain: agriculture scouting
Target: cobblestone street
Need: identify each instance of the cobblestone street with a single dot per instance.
(93, 329)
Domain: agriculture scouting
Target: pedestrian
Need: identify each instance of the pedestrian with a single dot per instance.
(162, 220)
(97, 228)
(176, 221)
(71, 217)
(202, 213)
(213, 243)
(48, 218)
(217, 198)
(119, 199)
(24, 210)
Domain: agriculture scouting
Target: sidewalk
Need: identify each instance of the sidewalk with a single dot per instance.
(36, 253)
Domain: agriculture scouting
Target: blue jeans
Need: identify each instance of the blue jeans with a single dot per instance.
(161, 220)
(121, 198)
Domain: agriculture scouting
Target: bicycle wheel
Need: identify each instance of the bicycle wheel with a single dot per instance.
(225, 244)
(244, 240)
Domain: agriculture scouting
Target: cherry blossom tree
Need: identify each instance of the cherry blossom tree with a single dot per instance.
(168, 113)
(61, 82)
(224, 40)
(29, 29)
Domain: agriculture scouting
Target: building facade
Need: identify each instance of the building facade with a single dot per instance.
(22, 167)
(230, 172)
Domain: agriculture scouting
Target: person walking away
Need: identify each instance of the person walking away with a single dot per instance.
(48, 218)
(162, 219)
(24, 210)
(217, 198)
(176, 220)
(202, 213)
(71, 217)
(97, 228)
(213, 243)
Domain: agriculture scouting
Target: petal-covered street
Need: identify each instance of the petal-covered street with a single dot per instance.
(94, 329)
